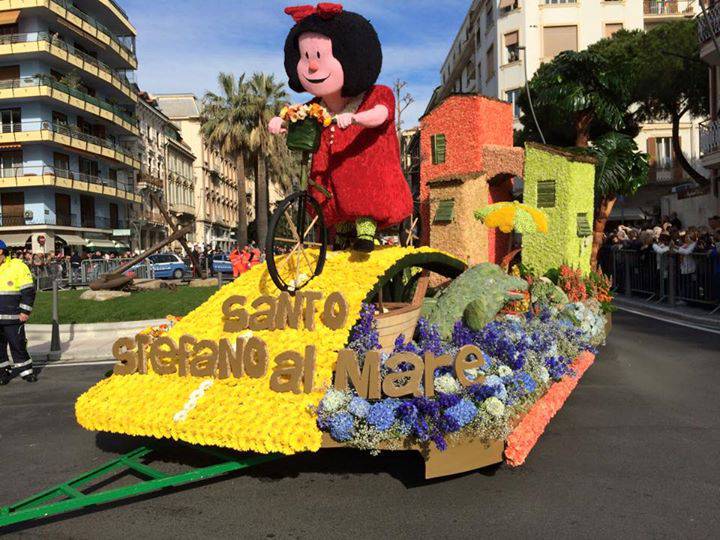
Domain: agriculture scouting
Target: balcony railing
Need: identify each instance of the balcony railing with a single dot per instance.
(62, 220)
(35, 37)
(120, 40)
(709, 137)
(710, 25)
(42, 170)
(68, 131)
(45, 80)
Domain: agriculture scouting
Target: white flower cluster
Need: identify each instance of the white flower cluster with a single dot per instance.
(588, 318)
(447, 384)
(192, 401)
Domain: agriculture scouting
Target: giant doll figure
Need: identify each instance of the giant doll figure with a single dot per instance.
(335, 55)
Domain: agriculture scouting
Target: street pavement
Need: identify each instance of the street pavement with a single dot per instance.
(633, 454)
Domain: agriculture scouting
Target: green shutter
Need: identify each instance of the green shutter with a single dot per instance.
(546, 194)
(438, 148)
(445, 211)
(583, 226)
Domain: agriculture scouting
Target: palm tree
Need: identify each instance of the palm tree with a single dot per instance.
(266, 97)
(620, 170)
(225, 119)
(580, 91)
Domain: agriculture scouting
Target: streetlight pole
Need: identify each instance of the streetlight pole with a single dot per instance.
(527, 91)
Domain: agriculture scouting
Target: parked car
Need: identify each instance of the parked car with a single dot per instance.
(221, 264)
(165, 266)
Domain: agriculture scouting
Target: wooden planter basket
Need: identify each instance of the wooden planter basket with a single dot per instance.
(401, 317)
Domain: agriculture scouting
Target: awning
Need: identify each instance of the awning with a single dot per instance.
(9, 17)
(95, 243)
(72, 239)
(511, 39)
(627, 214)
(15, 240)
(506, 3)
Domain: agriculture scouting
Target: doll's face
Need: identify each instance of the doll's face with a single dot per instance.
(320, 73)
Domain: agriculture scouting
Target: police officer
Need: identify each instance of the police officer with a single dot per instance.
(17, 295)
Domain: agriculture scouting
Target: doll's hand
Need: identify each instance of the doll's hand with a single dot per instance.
(276, 126)
(345, 120)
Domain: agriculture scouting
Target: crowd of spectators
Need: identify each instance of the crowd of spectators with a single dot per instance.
(697, 249)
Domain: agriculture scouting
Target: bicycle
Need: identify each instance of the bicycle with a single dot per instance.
(296, 242)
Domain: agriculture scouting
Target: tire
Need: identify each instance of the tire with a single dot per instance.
(178, 274)
(301, 200)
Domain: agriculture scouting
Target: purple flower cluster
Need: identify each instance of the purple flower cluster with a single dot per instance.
(382, 414)
(519, 385)
(558, 366)
(364, 335)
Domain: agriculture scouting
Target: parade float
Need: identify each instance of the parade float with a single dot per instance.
(454, 349)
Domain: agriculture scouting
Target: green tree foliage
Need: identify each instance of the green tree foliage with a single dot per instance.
(270, 155)
(574, 95)
(665, 76)
(235, 119)
(224, 123)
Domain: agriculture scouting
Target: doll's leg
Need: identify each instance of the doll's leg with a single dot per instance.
(343, 234)
(366, 228)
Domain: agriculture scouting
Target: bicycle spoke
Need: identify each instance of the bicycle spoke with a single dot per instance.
(289, 241)
(293, 228)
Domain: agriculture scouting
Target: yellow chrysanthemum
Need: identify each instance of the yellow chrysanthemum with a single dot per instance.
(242, 413)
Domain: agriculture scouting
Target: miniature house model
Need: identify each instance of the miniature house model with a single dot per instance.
(562, 185)
(467, 161)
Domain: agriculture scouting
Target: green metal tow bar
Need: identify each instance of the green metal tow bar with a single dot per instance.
(45, 504)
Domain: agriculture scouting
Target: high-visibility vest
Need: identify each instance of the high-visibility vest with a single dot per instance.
(17, 290)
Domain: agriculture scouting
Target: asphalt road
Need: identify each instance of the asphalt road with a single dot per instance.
(634, 453)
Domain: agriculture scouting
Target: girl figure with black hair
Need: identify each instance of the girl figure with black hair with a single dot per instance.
(335, 55)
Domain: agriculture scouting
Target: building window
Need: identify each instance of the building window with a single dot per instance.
(557, 39)
(490, 62)
(489, 19)
(511, 96)
(560, 1)
(506, 6)
(438, 146)
(546, 194)
(512, 47)
(611, 28)
(664, 157)
(11, 120)
(10, 162)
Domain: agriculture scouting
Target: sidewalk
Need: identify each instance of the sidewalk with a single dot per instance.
(82, 342)
(687, 314)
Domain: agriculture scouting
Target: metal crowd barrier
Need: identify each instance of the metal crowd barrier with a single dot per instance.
(668, 277)
(71, 275)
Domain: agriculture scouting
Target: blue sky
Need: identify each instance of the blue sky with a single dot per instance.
(182, 45)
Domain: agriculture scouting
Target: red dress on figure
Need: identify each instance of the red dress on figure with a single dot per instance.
(361, 168)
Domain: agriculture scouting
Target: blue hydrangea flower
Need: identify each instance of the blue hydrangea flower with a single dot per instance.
(342, 426)
(382, 414)
(463, 412)
(358, 407)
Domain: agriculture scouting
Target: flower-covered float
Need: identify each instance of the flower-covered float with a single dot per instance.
(493, 358)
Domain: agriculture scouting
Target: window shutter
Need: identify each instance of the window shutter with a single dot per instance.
(445, 211)
(583, 226)
(652, 159)
(546, 194)
(438, 148)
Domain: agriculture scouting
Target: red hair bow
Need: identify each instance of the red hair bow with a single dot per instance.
(326, 10)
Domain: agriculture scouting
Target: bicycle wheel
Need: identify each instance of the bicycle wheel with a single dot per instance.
(296, 243)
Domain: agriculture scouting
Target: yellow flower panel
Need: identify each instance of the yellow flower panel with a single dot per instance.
(241, 413)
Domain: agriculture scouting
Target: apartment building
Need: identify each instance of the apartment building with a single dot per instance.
(67, 107)
(708, 203)
(180, 180)
(216, 175)
(500, 42)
